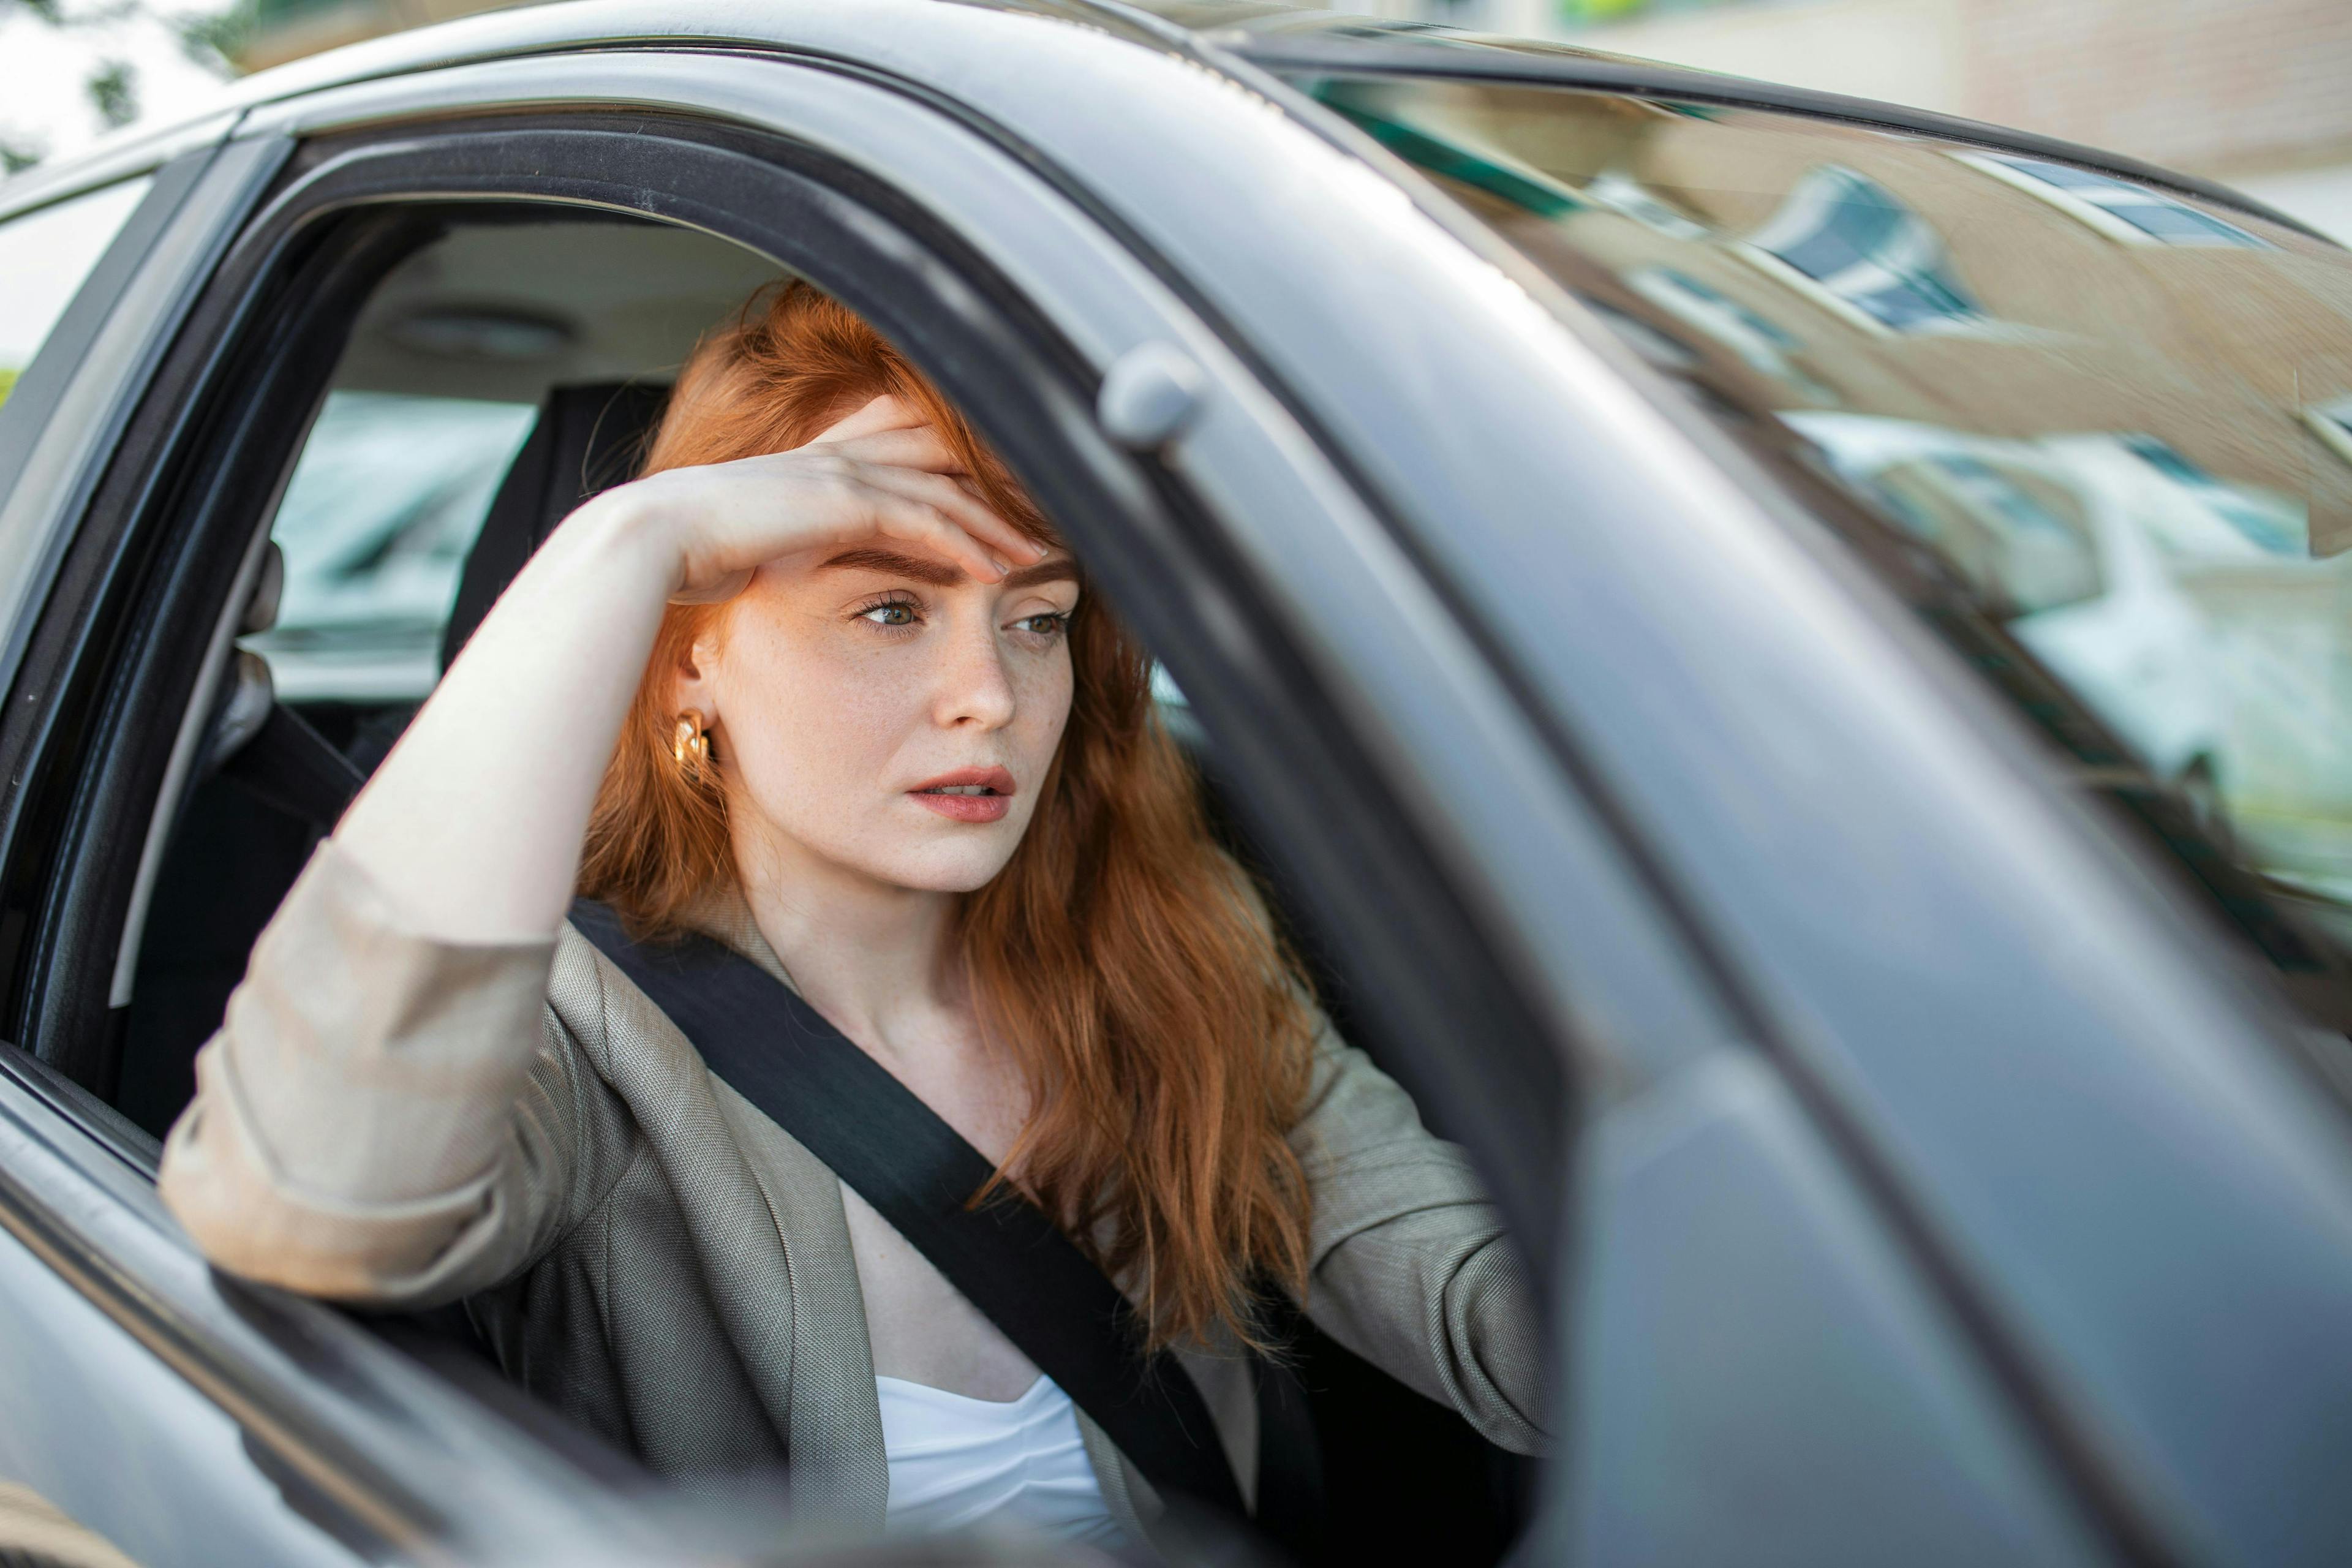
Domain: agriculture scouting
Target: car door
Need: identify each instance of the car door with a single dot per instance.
(2065, 1067)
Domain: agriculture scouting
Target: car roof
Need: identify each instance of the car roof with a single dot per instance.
(1245, 39)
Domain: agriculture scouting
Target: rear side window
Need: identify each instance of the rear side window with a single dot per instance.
(390, 492)
(2097, 432)
(45, 255)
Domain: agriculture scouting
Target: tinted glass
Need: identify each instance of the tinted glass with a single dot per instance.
(44, 257)
(2098, 433)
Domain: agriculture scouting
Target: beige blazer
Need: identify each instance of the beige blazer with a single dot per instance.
(390, 1120)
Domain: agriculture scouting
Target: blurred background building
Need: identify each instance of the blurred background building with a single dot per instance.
(2250, 92)
(281, 30)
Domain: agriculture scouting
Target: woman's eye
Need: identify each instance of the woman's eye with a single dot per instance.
(897, 613)
(1044, 626)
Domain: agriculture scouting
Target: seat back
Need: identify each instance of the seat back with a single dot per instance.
(589, 439)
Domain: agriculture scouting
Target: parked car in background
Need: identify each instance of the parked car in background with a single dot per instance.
(1784, 659)
(2070, 565)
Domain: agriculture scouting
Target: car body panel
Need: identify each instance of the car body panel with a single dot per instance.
(190, 1419)
(1745, 1322)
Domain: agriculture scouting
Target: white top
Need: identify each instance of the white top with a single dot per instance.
(956, 1461)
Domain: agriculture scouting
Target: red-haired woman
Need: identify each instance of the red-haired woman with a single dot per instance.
(869, 737)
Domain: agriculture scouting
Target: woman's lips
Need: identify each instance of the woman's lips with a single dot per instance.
(966, 808)
(967, 794)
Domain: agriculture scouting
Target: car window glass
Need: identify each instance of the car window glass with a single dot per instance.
(386, 500)
(44, 256)
(2098, 432)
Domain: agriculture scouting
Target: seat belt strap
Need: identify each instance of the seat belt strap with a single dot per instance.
(1006, 1256)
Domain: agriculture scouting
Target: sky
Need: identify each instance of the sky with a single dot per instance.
(42, 70)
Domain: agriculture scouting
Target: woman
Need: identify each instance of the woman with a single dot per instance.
(820, 685)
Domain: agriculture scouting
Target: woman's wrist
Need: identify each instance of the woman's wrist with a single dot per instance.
(621, 532)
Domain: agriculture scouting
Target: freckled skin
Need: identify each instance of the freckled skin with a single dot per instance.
(825, 716)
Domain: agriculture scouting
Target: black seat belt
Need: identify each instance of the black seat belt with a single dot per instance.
(1006, 1256)
(289, 767)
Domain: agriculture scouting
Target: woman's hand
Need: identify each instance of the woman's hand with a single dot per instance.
(881, 472)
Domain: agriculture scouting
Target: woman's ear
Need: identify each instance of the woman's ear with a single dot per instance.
(694, 684)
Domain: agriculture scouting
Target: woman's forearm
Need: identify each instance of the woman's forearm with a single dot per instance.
(472, 827)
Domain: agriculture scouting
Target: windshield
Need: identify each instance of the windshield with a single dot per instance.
(2099, 433)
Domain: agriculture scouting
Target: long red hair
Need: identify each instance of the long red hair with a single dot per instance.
(1119, 955)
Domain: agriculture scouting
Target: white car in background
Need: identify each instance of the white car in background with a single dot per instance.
(2078, 546)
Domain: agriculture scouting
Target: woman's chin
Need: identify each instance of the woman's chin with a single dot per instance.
(959, 874)
(962, 860)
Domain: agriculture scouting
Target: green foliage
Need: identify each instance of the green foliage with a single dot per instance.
(214, 39)
(1588, 12)
(209, 35)
(113, 91)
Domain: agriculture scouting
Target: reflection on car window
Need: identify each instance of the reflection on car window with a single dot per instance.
(37, 1533)
(387, 497)
(44, 257)
(2099, 432)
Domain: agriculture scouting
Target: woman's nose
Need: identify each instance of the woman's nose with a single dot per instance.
(975, 688)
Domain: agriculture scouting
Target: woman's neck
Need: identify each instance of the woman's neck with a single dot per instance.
(875, 958)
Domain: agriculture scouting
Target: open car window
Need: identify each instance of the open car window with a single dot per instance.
(2098, 434)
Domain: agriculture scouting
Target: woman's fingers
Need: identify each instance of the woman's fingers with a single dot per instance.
(883, 414)
(879, 470)
(885, 435)
(918, 522)
(906, 446)
(962, 505)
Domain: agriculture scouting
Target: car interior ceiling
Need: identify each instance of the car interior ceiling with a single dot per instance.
(583, 323)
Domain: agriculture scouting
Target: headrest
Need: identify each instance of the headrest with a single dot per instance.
(588, 439)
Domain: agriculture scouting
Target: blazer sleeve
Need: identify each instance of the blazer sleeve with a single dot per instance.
(383, 1118)
(1412, 1268)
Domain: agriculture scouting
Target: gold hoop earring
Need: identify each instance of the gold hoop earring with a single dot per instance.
(689, 744)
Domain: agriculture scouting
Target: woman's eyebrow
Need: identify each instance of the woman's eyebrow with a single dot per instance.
(1060, 569)
(939, 574)
(922, 569)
